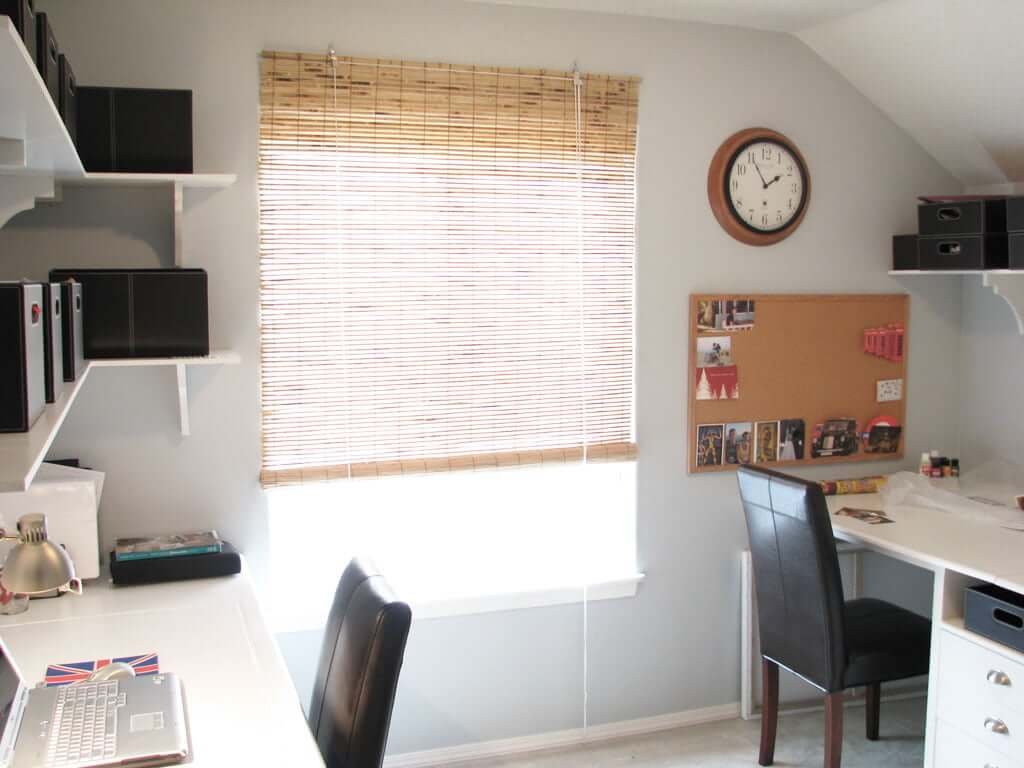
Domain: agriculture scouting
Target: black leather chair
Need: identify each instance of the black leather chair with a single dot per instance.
(805, 624)
(354, 691)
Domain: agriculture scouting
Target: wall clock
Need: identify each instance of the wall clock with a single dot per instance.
(758, 186)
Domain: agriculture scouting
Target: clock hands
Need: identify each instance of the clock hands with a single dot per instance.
(758, 169)
(765, 184)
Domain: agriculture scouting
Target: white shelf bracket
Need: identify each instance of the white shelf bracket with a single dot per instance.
(19, 193)
(182, 370)
(1009, 287)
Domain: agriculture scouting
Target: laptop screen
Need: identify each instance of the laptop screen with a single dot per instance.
(9, 682)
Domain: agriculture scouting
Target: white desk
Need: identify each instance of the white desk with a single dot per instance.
(960, 552)
(242, 706)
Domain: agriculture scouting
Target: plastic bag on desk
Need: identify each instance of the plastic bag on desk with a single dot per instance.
(980, 495)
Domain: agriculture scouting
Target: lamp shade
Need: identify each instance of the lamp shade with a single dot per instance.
(36, 565)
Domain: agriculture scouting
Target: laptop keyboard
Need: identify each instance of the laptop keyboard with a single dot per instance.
(84, 724)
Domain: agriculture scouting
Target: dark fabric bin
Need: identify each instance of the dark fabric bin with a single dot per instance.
(995, 613)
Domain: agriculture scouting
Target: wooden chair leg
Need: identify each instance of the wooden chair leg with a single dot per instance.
(769, 710)
(833, 729)
(872, 704)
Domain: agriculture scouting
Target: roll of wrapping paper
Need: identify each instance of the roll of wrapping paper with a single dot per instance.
(853, 485)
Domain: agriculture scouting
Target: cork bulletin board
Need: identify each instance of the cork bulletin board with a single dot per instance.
(814, 366)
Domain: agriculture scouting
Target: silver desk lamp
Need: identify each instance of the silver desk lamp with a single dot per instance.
(35, 564)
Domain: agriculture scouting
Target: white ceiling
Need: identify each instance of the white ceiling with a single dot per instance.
(949, 72)
(779, 15)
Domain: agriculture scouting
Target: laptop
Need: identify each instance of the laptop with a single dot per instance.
(135, 721)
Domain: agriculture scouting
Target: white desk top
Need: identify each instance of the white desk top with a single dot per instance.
(935, 539)
(242, 706)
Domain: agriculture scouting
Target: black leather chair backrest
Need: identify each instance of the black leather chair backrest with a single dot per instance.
(354, 690)
(796, 575)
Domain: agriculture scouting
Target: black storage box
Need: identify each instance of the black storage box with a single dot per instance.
(1015, 214)
(143, 312)
(135, 130)
(995, 613)
(22, 367)
(963, 252)
(180, 568)
(971, 217)
(68, 96)
(1016, 251)
(48, 56)
(904, 252)
(72, 325)
(23, 14)
(53, 338)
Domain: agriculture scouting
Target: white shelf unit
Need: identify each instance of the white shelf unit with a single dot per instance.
(22, 453)
(1008, 284)
(37, 156)
(34, 144)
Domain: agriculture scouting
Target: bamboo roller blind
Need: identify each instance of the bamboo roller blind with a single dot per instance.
(446, 264)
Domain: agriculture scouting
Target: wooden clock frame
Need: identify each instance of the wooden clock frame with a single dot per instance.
(718, 195)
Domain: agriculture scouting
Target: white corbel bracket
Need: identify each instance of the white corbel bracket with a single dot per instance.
(19, 193)
(1010, 287)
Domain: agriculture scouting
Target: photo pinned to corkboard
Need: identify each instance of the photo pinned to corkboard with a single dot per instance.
(812, 375)
(766, 447)
(725, 314)
(710, 444)
(739, 443)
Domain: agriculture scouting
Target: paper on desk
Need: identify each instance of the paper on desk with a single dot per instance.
(985, 495)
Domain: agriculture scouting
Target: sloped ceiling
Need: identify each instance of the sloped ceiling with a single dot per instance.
(950, 72)
(777, 15)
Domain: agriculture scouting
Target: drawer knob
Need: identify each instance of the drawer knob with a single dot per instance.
(998, 678)
(996, 726)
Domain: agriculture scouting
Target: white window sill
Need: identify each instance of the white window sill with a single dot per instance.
(611, 589)
(424, 610)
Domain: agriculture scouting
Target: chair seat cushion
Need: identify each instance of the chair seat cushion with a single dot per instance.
(885, 642)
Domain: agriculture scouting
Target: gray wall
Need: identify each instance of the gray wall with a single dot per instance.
(675, 646)
(991, 372)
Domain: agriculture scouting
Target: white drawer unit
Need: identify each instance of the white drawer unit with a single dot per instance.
(971, 669)
(981, 694)
(955, 750)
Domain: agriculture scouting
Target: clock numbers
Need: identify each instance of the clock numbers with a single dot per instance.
(768, 175)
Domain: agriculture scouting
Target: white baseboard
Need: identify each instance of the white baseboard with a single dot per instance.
(484, 750)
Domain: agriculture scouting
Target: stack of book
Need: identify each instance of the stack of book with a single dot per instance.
(172, 557)
(169, 545)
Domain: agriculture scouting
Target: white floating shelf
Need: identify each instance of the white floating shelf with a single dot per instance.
(912, 272)
(186, 180)
(28, 114)
(216, 357)
(1008, 284)
(22, 453)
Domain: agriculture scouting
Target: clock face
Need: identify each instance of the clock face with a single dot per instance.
(765, 186)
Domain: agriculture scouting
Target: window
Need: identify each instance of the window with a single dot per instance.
(447, 269)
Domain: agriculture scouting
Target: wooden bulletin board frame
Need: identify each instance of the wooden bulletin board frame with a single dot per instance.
(802, 358)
